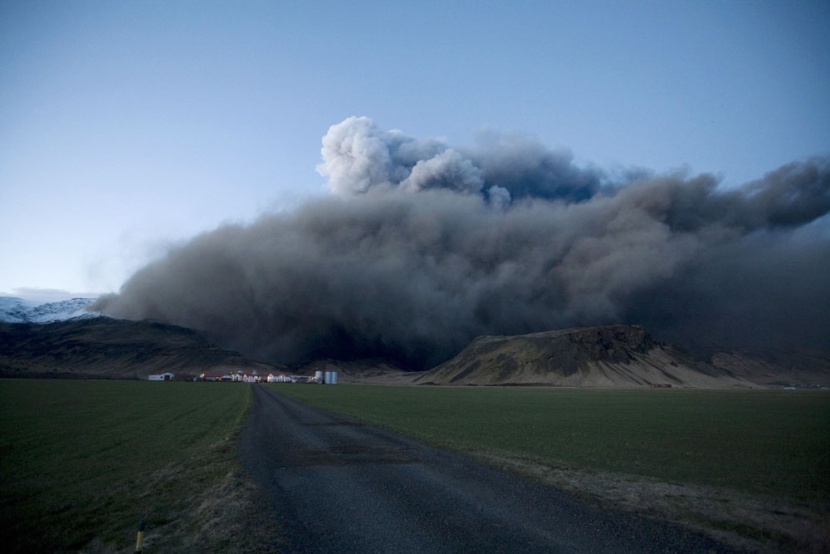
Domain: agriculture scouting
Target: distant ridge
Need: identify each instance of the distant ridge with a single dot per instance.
(607, 356)
(614, 356)
(111, 348)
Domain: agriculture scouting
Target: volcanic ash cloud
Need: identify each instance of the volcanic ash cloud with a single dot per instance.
(421, 247)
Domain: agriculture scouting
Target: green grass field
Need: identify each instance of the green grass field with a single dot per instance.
(84, 460)
(774, 443)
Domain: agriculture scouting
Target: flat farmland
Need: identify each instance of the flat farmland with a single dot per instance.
(753, 465)
(768, 442)
(82, 462)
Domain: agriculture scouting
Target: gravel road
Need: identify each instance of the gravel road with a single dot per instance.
(336, 485)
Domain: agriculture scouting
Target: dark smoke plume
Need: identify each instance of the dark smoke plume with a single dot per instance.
(422, 247)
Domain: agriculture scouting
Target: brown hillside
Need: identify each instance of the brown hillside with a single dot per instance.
(110, 348)
(609, 356)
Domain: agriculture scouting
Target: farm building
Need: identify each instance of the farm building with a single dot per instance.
(240, 377)
(167, 376)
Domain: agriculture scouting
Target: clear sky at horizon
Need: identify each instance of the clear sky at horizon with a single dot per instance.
(126, 127)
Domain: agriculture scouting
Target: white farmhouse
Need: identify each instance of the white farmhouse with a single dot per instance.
(167, 376)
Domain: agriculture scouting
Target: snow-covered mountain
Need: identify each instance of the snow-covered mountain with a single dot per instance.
(18, 310)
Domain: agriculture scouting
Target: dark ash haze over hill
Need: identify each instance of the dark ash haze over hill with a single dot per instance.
(423, 247)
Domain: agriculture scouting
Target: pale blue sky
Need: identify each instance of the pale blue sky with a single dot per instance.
(128, 126)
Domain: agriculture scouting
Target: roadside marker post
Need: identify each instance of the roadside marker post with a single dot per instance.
(140, 537)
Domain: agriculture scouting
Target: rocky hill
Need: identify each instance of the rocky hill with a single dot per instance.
(110, 348)
(609, 356)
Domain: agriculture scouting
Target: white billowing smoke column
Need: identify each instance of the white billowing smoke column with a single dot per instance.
(358, 156)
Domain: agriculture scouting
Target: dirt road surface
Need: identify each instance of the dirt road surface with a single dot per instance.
(336, 485)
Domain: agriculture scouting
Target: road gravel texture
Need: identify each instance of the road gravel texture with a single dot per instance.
(336, 485)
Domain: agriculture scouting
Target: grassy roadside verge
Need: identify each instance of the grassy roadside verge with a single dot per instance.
(82, 462)
(749, 466)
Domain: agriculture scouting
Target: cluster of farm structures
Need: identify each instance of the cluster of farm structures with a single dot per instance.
(239, 376)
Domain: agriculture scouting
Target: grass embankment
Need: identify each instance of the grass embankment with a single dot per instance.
(82, 462)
